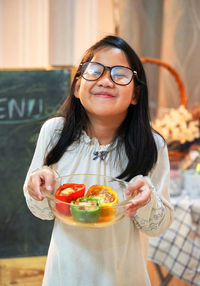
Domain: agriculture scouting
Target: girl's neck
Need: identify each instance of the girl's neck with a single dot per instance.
(105, 133)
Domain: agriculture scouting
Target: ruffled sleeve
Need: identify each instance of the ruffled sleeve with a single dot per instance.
(47, 137)
(157, 215)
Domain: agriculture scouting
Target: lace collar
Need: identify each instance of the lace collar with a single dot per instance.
(94, 142)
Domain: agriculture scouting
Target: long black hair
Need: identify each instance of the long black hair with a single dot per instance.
(135, 131)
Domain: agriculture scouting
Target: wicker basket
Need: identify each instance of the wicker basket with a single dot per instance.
(174, 73)
(174, 155)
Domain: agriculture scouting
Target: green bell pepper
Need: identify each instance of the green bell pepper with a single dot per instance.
(85, 209)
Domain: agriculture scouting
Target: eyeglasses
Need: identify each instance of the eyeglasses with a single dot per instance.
(119, 74)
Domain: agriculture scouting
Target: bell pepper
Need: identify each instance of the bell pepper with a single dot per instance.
(108, 198)
(85, 209)
(68, 193)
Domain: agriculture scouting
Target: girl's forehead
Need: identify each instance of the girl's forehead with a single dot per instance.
(110, 56)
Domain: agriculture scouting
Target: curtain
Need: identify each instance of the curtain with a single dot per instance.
(170, 31)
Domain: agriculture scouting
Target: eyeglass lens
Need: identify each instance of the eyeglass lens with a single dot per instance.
(93, 71)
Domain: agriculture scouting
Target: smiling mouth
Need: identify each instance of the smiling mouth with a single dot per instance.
(103, 95)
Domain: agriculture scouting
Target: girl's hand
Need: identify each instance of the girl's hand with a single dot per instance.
(143, 190)
(39, 180)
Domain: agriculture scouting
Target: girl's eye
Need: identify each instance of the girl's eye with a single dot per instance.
(92, 71)
(118, 75)
(97, 72)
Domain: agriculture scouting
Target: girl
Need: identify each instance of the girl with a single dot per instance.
(107, 110)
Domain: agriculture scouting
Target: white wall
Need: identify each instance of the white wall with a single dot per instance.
(41, 33)
(24, 33)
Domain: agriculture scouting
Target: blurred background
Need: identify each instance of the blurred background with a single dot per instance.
(42, 33)
(41, 42)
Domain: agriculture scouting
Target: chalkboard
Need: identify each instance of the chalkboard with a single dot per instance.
(27, 99)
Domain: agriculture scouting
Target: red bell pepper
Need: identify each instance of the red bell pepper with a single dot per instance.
(67, 193)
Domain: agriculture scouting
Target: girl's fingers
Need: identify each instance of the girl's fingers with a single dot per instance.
(130, 211)
(141, 199)
(141, 189)
(135, 186)
(49, 180)
(40, 180)
(34, 187)
(35, 195)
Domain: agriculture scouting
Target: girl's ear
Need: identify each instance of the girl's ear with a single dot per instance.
(135, 95)
(77, 87)
(134, 100)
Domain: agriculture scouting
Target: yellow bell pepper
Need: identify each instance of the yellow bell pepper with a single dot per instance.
(108, 198)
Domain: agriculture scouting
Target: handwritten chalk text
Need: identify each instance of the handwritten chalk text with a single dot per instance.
(16, 109)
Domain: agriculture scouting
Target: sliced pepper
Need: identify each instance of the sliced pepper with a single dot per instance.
(68, 193)
(85, 209)
(108, 198)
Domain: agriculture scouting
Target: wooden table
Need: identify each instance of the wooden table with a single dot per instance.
(29, 271)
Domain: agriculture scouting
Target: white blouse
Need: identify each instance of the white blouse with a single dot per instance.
(110, 256)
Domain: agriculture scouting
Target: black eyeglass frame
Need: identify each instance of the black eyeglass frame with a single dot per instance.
(134, 73)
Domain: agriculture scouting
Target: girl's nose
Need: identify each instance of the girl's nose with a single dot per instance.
(105, 79)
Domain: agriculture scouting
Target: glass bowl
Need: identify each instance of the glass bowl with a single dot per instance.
(85, 206)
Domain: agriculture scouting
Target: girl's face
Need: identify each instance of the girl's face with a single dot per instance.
(103, 98)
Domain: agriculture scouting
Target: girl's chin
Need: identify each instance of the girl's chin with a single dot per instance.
(109, 114)
(102, 114)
